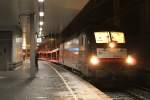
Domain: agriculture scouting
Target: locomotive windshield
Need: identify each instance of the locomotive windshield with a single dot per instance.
(107, 37)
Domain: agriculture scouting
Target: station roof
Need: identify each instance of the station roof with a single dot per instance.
(58, 13)
(97, 15)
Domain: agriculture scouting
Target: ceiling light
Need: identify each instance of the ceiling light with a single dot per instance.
(41, 0)
(41, 13)
(41, 28)
(41, 23)
(40, 32)
(39, 40)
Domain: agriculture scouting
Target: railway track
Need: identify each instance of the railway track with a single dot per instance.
(120, 95)
(136, 93)
(141, 92)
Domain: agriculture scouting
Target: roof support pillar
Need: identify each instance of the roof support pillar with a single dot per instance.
(33, 66)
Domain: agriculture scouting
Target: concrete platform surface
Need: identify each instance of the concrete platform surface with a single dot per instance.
(50, 83)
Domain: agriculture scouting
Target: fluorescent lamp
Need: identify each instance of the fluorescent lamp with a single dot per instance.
(41, 28)
(41, 23)
(39, 40)
(41, 0)
(41, 14)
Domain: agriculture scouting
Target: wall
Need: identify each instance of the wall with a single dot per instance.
(5, 49)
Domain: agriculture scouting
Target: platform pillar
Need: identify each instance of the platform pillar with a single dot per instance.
(33, 68)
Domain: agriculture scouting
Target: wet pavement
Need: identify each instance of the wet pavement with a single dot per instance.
(50, 83)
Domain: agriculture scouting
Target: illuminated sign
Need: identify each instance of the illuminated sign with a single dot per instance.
(102, 37)
(118, 37)
(106, 37)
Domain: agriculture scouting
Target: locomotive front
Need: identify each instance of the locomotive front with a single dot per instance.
(110, 57)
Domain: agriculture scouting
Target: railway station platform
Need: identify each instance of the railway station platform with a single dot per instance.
(50, 83)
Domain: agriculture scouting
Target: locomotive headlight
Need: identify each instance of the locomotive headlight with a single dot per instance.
(112, 44)
(130, 60)
(94, 60)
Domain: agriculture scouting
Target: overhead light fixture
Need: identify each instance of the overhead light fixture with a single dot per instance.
(41, 13)
(40, 35)
(41, 28)
(40, 32)
(41, 23)
(39, 40)
(41, 0)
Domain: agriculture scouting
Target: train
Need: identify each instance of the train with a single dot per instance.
(97, 55)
